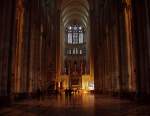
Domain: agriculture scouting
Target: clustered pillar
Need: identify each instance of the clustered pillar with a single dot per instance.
(28, 37)
(120, 46)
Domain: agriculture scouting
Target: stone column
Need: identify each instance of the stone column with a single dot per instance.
(141, 46)
(129, 45)
(123, 65)
(19, 42)
(7, 20)
(147, 9)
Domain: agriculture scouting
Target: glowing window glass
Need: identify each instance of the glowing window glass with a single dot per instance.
(69, 38)
(80, 51)
(80, 38)
(75, 35)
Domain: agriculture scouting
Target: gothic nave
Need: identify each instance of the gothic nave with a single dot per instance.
(68, 57)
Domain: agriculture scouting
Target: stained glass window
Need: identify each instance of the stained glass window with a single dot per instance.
(75, 38)
(80, 51)
(75, 35)
(69, 38)
(80, 38)
(74, 51)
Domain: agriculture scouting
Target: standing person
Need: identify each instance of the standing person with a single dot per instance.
(70, 94)
(66, 92)
(66, 96)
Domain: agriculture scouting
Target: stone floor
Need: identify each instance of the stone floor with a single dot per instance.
(76, 105)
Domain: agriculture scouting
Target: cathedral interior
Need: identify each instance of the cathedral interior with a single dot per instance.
(85, 57)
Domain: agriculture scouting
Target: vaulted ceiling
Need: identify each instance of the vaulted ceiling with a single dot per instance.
(75, 12)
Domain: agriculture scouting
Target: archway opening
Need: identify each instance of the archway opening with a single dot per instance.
(76, 67)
